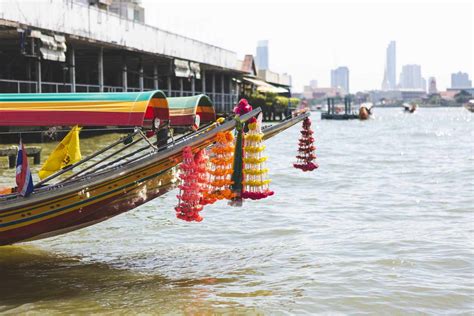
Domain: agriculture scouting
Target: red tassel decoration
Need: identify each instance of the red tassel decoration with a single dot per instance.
(306, 152)
(189, 197)
(201, 160)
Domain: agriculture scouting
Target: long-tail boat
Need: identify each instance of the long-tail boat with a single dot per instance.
(186, 111)
(469, 105)
(93, 189)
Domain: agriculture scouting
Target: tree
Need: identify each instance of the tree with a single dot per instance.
(462, 97)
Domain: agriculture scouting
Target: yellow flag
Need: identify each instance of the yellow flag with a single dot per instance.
(66, 153)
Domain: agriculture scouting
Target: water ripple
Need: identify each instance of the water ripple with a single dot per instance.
(384, 226)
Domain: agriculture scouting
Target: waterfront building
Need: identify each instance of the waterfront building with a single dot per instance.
(262, 55)
(460, 80)
(340, 79)
(394, 96)
(432, 89)
(457, 90)
(410, 78)
(278, 79)
(98, 46)
(389, 81)
(321, 93)
(385, 96)
(307, 92)
(412, 94)
(129, 9)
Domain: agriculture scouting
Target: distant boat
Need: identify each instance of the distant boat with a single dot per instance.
(410, 108)
(470, 105)
(365, 110)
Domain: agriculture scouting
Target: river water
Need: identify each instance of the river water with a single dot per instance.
(385, 225)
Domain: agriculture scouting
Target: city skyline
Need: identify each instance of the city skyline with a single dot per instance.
(411, 78)
(340, 78)
(390, 73)
(261, 57)
(358, 38)
(460, 80)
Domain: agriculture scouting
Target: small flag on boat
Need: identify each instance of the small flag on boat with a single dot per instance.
(66, 153)
(24, 181)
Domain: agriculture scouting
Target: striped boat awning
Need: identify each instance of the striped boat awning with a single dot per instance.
(84, 109)
(183, 110)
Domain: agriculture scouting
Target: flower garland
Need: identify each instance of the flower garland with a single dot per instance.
(220, 170)
(189, 196)
(201, 160)
(306, 152)
(255, 182)
(237, 176)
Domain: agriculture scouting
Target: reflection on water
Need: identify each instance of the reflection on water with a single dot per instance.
(46, 282)
(384, 226)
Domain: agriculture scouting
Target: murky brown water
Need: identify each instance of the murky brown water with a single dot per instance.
(385, 226)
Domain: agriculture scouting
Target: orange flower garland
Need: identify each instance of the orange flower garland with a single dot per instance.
(220, 171)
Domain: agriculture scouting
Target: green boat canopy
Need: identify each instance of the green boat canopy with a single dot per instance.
(183, 110)
(84, 109)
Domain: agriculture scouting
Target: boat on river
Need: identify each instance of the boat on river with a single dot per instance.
(410, 107)
(365, 111)
(119, 177)
(469, 105)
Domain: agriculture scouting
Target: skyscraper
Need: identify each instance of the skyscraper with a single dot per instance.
(340, 78)
(262, 55)
(390, 75)
(432, 89)
(460, 80)
(411, 78)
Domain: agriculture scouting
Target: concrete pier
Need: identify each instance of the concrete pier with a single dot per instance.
(12, 152)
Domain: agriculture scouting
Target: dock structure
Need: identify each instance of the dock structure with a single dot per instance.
(76, 46)
(12, 152)
(336, 112)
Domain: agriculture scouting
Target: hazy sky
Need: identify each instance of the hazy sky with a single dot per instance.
(309, 38)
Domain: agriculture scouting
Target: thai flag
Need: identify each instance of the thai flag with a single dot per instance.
(24, 181)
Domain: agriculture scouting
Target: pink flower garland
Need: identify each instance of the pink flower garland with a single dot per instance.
(194, 177)
(243, 107)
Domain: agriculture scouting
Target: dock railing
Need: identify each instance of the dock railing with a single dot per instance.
(223, 102)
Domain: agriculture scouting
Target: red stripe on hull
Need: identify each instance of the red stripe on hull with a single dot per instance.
(207, 117)
(99, 211)
(181, 120)
(188, 120)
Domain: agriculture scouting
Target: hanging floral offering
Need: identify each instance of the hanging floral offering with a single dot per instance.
(256, 183)
(189, 197)
(220, 170)
(201, 161)
(306, 152)
(237, 176)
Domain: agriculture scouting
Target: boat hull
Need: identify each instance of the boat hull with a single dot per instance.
(84, 208)
(83, 203)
